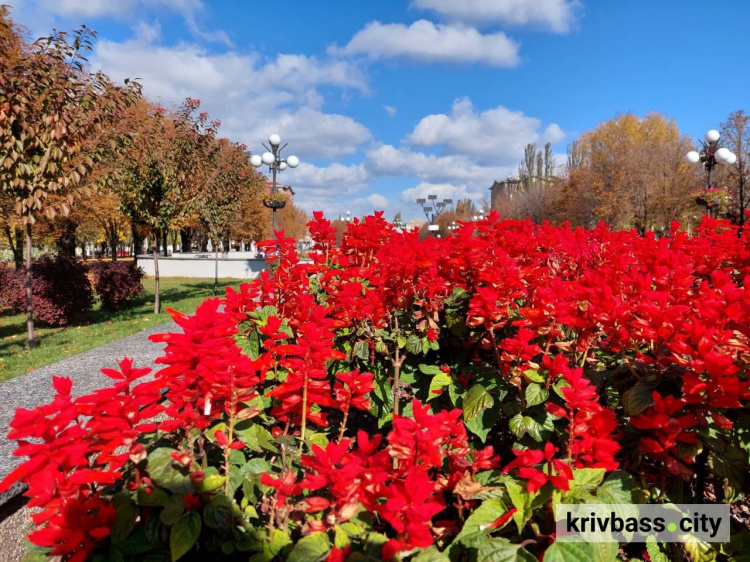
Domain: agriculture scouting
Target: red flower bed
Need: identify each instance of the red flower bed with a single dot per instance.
(407, 399)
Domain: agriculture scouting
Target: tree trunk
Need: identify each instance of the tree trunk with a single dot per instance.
(137, 241)
(164, 241)
(15, 243)
(184, 240)
(29, 300)
(66, 242)
(216, 269)
(155, 249)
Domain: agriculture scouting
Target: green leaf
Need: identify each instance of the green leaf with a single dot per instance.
(483, 423)
(502, 550)
(571, 552)
(401, 341)
(219, 512)
(587, 478)
(278, 541)
(521, 425)
(340, 538)
(414, 344)
(474, 528)
(311, 548)
(212, 481)
(154, 498)
(184, 535)
(430, 370)
(438, 382)
(431, 554)
(535, 394)
(362, 350)
(654, 552)
(637, 399)
(255, 436)
(173, 510)
(165, 472)
(521, 500)
(534, 376)
(476, 400)
(127, 513)
(618, 488)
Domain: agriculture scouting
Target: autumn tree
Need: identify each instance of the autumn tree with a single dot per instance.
(736, 136)
(56, 122)
(162, 168)
(629, 172)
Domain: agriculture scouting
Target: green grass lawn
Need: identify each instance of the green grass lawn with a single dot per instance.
(98, 326)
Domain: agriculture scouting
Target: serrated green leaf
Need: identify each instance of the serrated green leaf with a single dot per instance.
(431, 554)
(521, 500)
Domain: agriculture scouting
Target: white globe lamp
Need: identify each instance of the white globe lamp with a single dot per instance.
(275, 140)
(693, 157)
(256, 160)
(293, 161)
(268, 158)
(712, 135)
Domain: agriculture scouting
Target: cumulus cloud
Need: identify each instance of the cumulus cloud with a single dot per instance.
(377, 201)
(390, 110)
(252, 96)
(426, 42)
(496, 135)
(328, 188)
(556, 15)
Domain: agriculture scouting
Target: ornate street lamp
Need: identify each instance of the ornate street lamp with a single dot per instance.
(272, 158)
(710, 155)
(452, 226)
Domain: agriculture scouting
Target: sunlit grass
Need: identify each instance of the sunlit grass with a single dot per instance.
(98, 326)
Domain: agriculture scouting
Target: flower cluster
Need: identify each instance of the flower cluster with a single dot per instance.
(393, 395)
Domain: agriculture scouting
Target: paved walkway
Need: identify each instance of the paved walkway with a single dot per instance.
(35, 388)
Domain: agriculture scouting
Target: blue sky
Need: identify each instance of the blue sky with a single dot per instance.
(390, 100)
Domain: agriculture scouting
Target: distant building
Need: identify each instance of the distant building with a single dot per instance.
(504, 189)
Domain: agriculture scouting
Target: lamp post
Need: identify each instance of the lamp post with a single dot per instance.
(272, 158)
(452, 226)
(432, 209)
(710, 155)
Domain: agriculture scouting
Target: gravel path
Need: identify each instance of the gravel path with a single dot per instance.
(35, 388)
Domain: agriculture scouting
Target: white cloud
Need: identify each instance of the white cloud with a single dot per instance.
(99, 8)
(253, 97)
(387, 160)
(390, 110)
(377, 201)
(425, 41)
(556, 15)
(330, 188)
(497, 135)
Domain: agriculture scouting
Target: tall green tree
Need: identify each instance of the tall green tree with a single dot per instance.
(57, 121)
